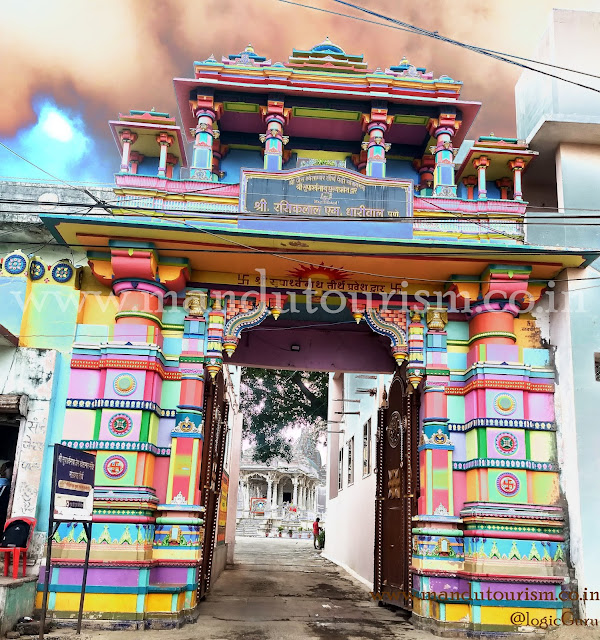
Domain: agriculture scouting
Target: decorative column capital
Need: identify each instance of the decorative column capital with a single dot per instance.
(516, 164)
(164, 139)
(482, 161)
(128, 136)
(437, 319)
(196, 303)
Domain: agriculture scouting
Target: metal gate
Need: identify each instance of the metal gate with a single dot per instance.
(213, 452)
(396, 491)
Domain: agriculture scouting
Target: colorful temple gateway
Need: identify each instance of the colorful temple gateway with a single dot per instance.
(324, 198)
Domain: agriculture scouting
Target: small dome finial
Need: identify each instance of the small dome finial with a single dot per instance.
(249, 48)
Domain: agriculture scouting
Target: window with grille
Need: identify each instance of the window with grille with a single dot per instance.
(351, 460)
(367, 448)
(597, 366)
(340, 469)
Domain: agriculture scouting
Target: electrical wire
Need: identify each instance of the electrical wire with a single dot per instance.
(407, 27)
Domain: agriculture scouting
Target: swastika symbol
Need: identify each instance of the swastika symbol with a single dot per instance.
(115, 467)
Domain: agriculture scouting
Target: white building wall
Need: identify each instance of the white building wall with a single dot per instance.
(350, 528)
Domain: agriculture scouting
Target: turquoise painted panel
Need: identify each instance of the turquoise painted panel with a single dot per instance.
(456, 409)
(13, 301)
(457, 330)
(94, 333)
(536, 357)
(457, 361)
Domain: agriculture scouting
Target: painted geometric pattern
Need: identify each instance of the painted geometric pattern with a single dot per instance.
(530, 465)
(93, 445)
(107, 403)
(506, 549)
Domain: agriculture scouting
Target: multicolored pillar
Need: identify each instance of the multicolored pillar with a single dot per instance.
(375, 125)
(275, 116)
(481, 164)
(443, 130)
(435, 449)
(517, 165)
(470, 183)
(426, 168)
(127, 139)
(165, 141)
(504, 184)
(208, 112)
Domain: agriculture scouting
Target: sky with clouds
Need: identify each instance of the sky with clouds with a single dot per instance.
(69, 66)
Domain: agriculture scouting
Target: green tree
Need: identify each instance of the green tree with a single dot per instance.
(273, 399)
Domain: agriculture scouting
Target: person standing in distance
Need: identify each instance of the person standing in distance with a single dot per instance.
(316, 530)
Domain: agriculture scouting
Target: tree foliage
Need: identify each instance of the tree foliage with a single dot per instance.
(274, 399)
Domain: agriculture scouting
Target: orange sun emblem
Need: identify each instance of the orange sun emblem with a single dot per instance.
(319, 271)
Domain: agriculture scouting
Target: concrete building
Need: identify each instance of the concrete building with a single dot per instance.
(353, 403)
(562, 122)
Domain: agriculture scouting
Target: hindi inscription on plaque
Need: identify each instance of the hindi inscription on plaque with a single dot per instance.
(328, 192)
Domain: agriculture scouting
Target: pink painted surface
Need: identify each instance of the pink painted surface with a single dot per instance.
(130, 333)
(460, 490)
(137, 394)
(132, 436)
(492, 410)
(471, 406)
(84, 384)
(79, 424)
(518, 434)
(161, 474)
(540, 406)
(502, 353)
(356, 350)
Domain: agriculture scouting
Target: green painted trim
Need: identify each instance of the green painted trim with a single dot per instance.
(145, 426)
(482, 443)
(412, 120)
(76, 588)
(199, 359)
(97, 423)
(439, 532)
(528, 444)
(199, 521)
(240, 107)
(172, 327)
(492, 334)
(139, 314)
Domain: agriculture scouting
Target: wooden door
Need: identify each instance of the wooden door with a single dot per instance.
(213, 453)
(396, 492)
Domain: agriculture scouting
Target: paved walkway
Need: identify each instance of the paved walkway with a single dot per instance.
(279, 589)
(283, 589)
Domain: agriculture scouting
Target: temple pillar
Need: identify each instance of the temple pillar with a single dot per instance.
(274, 501)
(435, 448)
(470, 182)
(504, 184)
(426, 168)
(269, 495)
(275, 116)
(295, 495)
(165, 141)
(171, 161)
(443, 130)
(375, 125)
(360, 160)
(135, 159)
(481, 164)
(127, 139)
(206, 133)
(517, 165)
